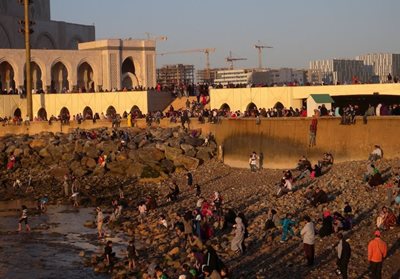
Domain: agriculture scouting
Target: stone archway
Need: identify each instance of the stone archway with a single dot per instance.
(7, 81)
(128, 70)
(85, 77)
(18, 113)
(64, 113)
(279, 106)
(88, 113)
(225, 107)
(37, 82)
(136, 112)
(251, 107)
(111, 111)
(42, 114)
(59, 78)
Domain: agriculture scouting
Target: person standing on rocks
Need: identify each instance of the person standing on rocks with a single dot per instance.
(287, 224)
(377, 252)
(237, 241)
(100, 220)
(343, 256)
(24, 218)
(308, 235)
(132, 256)
(189, 178)
(313, 130)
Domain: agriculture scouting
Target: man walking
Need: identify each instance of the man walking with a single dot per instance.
(308, 235)
(343, 252)
(377, 251)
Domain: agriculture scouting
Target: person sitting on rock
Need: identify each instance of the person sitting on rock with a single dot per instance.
(160, 274)
(11, 162)
(376, 179)
(303, 164)
(271, 223)
(320, 197)
(151, 203)
(109, 256)
(316, 172)
(198, 258)
(174, 192)
(339, 222)
(327, 224)
(309, 194)
(142, 211)
(162, 222)
(376, 154)
(327, 160)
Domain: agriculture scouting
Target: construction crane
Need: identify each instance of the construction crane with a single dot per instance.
(260, 47)
(207, 52)
(230, 59)
(157, 38)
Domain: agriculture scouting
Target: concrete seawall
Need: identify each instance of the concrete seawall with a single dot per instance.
(283, 141)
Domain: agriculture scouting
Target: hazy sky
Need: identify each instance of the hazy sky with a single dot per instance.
(299, 30)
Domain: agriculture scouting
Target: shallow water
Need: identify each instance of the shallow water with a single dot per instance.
(52, 249)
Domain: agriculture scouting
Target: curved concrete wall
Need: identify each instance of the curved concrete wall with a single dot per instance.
(284, 141)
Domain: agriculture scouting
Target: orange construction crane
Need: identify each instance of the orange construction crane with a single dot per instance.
(260, 47)
(207, 51)
(230, 59)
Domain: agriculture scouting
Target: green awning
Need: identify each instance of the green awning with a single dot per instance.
(322, 98)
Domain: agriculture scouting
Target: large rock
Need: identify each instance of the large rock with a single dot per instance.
(167, 166)
(151, 154)
(204, 153)
(194, 141)
(88, 162)
(90, 151)
(135, 169)
(10, 149)
(55, 151)
(44, 153)
(149, 172)
(186, 147)
(171, 153)
(18, 152)
(58, 172)
(187, 162)
(107, 147)
(117, 167)
(37, 144)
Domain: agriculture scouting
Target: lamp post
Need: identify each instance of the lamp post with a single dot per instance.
(26, 30)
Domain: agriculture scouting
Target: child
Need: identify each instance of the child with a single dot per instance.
(163, 221)
(24, 218)
(100, 220)
(132, 255)
(109, 255)
(287, 224)
(142, 211)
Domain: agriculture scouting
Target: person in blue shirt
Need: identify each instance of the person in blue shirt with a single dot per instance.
(287, 224)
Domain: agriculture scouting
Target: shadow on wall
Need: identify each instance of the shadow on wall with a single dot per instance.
(283, 141)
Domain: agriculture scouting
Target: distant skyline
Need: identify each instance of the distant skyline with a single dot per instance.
(299, 30)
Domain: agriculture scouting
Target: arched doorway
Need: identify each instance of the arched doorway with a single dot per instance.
(279, 106)
(136, 112)
(129, 78)
(59, 78)
(42, 114)
(88, 113)
(18, 113)
(225, 107)
(85, 77)
(64, 113)
(251, 107)
(7, 81)
(111, 112)
(37, 82)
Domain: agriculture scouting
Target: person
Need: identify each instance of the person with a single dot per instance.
(121, 192)
(198, 190)
(253, 161)
(377, 252)
(237, 241)
(132, 255)
(75, 198)
(319, 197)
(174, 192)
(327, 224)
(24, 218)
(142, 211)
(376, 154)
(308, 235)
(313, 130)
(189, 178)
(343, 256)
(109, 255)
(65, 185)
(43, 203)
(100, 220)
(369, 112)
(271, 223)
(287, 224)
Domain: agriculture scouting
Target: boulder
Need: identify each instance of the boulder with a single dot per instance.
(187, 162)
(194, 141)
(135, 169)
(17, 152)
(37, 144)
(67, 157)
(186, 147)
(171, 153)
(191, 153)
(167, 166)
(204, 153)
(58, 172)
(90, 151)
(116, 168)
(88, 162)
(44, 153)
(133, 155)
(10, 149)
(151, 154)
(149, 172)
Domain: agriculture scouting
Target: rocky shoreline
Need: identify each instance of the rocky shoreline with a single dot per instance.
(162, 157)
